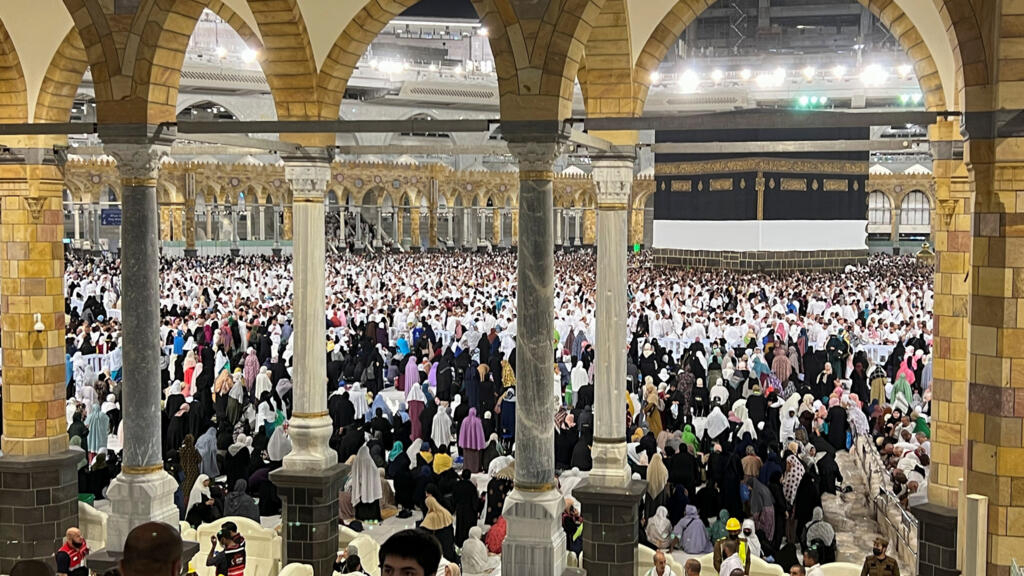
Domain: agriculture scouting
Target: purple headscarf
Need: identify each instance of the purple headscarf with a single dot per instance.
(471, 434)
(432, 376)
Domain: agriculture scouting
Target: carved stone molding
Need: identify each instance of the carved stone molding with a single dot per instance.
(536, 156)
(137, 163)
(760, 165)
(307, 179)
(947, 209)
(35, 207)
(613, 180)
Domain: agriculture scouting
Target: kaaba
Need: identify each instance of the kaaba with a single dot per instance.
(767, 210)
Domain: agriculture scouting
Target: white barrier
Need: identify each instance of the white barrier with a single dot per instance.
(876, 352)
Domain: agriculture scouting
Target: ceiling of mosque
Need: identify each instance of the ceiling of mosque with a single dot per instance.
(37, 39)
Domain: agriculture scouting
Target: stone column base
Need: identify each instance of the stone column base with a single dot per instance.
(38, 503)
(236, 251)
(191, 252)
(534, 543)
(276, 252)
(136, 499)
(309, 515)
(610, 520)
(936, 540)
(610, 464)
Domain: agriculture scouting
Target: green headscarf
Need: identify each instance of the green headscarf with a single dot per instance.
(395, 451)
(922, 426)
(902, 388)
(690, 438)
(717, 530)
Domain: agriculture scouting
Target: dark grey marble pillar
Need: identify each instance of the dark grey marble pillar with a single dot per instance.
(143, 491)
(535, 543)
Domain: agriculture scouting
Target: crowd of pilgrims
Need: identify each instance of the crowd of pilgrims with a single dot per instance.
(745, 423)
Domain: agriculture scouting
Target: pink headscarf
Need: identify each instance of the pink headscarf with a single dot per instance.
(833, 401)
(412, 374)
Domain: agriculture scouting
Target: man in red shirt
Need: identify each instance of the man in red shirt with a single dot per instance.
(71, 556)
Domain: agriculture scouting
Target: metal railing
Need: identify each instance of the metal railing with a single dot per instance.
(906, 529)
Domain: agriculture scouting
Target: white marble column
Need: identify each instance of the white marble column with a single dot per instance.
(377, 240)
(277, 226)
(577, 216)
(558, 226)
(76, 212)
(501, 227)
(451, 228)
(482, 232)
(309, 427)
(613, 177)
(341, 231)
(535, 542)
(234, 227)
(143, 491)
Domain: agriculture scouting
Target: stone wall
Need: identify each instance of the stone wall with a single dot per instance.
(783, 261)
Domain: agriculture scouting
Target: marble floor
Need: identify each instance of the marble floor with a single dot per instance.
(852, 516)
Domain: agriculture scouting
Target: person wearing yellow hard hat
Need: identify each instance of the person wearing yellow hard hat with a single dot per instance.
(732, 528)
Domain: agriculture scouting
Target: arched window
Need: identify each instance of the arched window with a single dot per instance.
(915, 210)
(879, 209)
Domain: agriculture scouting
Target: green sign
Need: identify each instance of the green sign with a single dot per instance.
(636, 247)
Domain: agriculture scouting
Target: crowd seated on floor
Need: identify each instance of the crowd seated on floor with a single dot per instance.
(742, 389)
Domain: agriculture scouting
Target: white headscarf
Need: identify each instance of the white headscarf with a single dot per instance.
(199, 492)
(262, 383)
(475, 559)
(365, 483)
(415, 392)
(441, 427)
(716, 423)
(412, 451)
(280, 445)
(358, 398)
(753, 542)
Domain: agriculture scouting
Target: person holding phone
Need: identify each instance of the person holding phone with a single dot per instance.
(231, 560)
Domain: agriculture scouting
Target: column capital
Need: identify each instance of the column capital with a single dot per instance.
(308, 174)
(536, 146)
(613, 179)
(138, 149)
(137, 162)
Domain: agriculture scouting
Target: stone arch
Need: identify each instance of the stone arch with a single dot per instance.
(13, 91)
(353, 41)
(969, 51)
(136, 59)
(606, 77)
(193, 100)
(164, 28)
(667, 32)
(63, 77)
(287, 59)
(537, 50)
(880, 209)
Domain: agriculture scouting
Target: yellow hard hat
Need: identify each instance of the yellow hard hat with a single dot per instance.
(733, 525)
